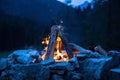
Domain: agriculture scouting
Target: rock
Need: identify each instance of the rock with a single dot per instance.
(3, 64)
(97, 68)
(72, 75)
(56, 77)
(115, 55)
(33, 53)
(114, 74)
(95, 55)
(23, 56)
(24, 59)
(81, 56)
(57, 71)
(92, 54)
(61, 66)
(73, 61)
(28, 72)
(76, 76)
(3, 75)
(48, 62)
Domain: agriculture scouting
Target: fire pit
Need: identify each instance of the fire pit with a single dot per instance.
(60, 60)
(57, 45)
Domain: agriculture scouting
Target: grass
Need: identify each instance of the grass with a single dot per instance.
(4, 54)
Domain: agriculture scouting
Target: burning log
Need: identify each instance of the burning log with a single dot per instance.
(52, 42)
(65, 43)
(57, 40)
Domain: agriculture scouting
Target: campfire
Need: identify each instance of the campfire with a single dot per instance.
(56, 45)
(60, 60)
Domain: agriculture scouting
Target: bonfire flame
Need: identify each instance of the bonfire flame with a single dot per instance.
(59, 54)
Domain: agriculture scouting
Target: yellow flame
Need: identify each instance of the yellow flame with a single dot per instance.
(59, 54)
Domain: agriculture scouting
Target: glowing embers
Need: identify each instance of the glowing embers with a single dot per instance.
(59, 53)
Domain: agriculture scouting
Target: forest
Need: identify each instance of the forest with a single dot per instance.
(26, 24)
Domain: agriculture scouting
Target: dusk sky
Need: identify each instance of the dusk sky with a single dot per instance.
(77, 2)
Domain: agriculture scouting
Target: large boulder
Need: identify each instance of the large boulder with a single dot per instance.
(3, 64)
(23, 56)
(97, 68)
(115, 55)
(73, 75)
(61, 66)
(74, 62)
(56, 77)
(65, 70)
(48, 62)
(115, 74)
(27, 72)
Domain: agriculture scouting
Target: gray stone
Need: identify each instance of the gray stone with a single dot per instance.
(95, 55)
(114, 53)
(115, 74)
(57, 71)
(33, 53)
(28, 72)
(73, 61)
(48, 62)
(23, 56)
(72, 75)
(57, 77)
(24, 59)
(61, 66)
(81, 56)
(3, 63)
(76, 76)
(97, 68)
(30, 52)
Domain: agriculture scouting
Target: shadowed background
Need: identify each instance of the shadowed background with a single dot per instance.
(23, 23)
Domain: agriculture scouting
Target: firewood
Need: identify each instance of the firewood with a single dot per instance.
(56, 31)
(78, 49)
(65, 42)
(100, 50)
(52, 42)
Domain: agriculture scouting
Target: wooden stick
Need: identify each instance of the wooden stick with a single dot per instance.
(56, 31)
(100, 50)
(52, 42)
(65, 42)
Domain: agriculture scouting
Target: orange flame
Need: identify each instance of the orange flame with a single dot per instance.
(59, 54)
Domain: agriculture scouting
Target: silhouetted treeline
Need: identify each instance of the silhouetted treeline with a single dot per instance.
(101, 25)
(90, 27)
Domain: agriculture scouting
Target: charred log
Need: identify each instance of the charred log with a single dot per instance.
(65, 42)
(52, 42)
(57, 31)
